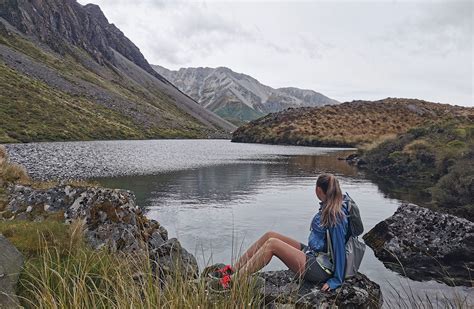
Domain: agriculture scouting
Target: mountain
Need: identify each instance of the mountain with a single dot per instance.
(238, 97)
(348, 124)
(66, 73)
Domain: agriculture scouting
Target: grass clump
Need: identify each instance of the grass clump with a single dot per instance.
(10, 172)
(30, 237)
(69, 274)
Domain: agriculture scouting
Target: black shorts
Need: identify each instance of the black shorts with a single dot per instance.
(313, 272)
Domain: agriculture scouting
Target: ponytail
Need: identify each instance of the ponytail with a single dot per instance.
(332, 210)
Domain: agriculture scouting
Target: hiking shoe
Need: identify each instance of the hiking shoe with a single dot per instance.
(221, 272)
(220, 285)
(210, 269)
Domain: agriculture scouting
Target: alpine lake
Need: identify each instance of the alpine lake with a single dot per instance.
(217, 197)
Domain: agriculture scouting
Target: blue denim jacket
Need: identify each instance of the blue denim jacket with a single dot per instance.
(317, 242)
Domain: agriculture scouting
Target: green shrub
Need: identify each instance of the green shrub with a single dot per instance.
(440, 156)
(456, 188)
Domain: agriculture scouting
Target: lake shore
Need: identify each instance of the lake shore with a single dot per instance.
(106, 224)
(297, 164)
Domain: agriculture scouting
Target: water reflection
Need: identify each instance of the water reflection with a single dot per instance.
(226, 182)
(392, 188)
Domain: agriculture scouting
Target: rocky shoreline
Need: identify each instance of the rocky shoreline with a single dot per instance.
(112, 219)
(415, 241)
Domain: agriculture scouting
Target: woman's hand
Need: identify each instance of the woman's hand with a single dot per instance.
(325, 287)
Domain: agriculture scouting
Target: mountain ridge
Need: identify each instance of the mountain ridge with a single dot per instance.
(238, 97)
(70, 59)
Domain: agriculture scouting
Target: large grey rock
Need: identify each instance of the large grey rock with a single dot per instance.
(11, 262)
(424, 244)
(173, 260)
(111, 219)
(283, 289)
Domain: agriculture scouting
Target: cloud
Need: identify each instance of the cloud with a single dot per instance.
(438, 28)
(344, 49)
(173, 32)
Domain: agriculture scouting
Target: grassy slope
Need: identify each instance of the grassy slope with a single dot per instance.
(38, 112)
(33, 111)
(436, 158)
(347, 124)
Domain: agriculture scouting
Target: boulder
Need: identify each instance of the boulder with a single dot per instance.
(173, 260)
(284, 289)
(11, 263)
(111, 219)
(424, 244)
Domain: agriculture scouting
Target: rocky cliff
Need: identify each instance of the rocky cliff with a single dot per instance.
(238, 97)
(62, 58)
(62, 23)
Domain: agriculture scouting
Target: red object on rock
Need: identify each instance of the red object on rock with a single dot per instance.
(225, 281)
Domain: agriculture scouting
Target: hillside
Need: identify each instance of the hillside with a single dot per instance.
(66, 73)
(433, 159)
(348, 124)
(238, 97)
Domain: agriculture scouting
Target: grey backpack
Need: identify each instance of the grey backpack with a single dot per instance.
(355, 222)
(355, 249)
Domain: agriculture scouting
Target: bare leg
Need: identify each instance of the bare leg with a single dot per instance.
(259, 243)
(294, 258)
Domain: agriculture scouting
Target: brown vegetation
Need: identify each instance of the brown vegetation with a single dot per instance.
(356, 123)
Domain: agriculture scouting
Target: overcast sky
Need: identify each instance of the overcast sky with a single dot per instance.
(345, 50)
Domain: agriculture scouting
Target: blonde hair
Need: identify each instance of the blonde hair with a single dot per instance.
(332, 210)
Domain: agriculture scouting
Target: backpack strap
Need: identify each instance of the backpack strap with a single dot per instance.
(329, 245)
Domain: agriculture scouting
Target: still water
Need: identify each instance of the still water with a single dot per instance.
(218, 197)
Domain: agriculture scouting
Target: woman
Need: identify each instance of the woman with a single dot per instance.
(300, 258)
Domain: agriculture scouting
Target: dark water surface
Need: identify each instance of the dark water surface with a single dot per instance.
(218, 197)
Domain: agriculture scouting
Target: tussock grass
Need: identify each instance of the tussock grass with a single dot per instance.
(351, 124)
(30, 237)
(61, 271)
(11, 172)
